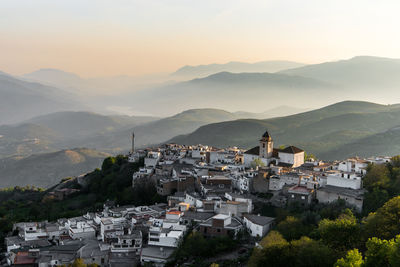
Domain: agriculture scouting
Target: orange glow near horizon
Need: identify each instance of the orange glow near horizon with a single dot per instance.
(106, 38)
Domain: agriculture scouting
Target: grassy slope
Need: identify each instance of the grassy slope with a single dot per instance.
(45, 170)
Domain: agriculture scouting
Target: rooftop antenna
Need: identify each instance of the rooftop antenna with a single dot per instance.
(133, 143)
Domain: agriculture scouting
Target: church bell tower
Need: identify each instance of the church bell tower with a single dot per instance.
(266, 146)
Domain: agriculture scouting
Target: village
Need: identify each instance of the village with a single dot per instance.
(210, 191)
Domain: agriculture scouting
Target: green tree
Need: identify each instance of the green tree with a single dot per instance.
(311, 253)
(384, 223)
(293, 228)
(352, 259)
(108, 163)
(374, 199)
(78, 263)
(377, 177)
(257, 163)
(274, 251)
(395, 161)
(341, 234)
(309, 156)
(394, 258)
(378, 252)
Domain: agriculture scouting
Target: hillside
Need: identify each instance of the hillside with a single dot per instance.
(279, 111)
(158, 131)
(385, 143)
(235, 67)
(45, 170)
(20, 99)
(81, 124)
(318, 131)
(60, 130)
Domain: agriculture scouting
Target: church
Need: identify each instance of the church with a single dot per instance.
(290, 156)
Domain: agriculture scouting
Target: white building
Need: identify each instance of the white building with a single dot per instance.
(128, 243)
(168, 232)
(79, 228)
(329, 194)
(32, 231)
(290, 156)
(152, 159)
(256, 225)
(344, 179)
(353, 165)
(194, 200)
(111, 227)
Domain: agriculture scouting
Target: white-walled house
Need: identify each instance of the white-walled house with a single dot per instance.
(353, 165)
(80, 229)
(291, 155)
(344, 179)
(152, 159)
(256, 225)
(194, 200)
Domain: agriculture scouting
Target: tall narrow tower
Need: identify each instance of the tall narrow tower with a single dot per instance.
(266, 145)
(133, 143)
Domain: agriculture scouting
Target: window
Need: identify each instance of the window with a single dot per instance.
(218, 230)
(303, 197)
(292, 196)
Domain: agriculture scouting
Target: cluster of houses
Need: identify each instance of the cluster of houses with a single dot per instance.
(211, 191)
(206, 173)
(128, 235)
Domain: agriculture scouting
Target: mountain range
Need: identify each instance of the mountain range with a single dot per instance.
(21, 99)
(323, 132)
(359, 78)
(40, 111)
(307, 86)
(190, 72)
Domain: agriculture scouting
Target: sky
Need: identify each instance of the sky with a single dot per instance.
(137, 37)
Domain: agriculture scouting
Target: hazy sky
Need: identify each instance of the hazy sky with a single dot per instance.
(134, 37)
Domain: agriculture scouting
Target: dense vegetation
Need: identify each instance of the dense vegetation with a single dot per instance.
(112, 182)
(334, 235)
(200, 251)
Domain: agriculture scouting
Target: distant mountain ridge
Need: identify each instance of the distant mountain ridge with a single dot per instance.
(235, 67)
(55, 77)
(21, 99)
(230, 91)
(319, 131)
(360, 71)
